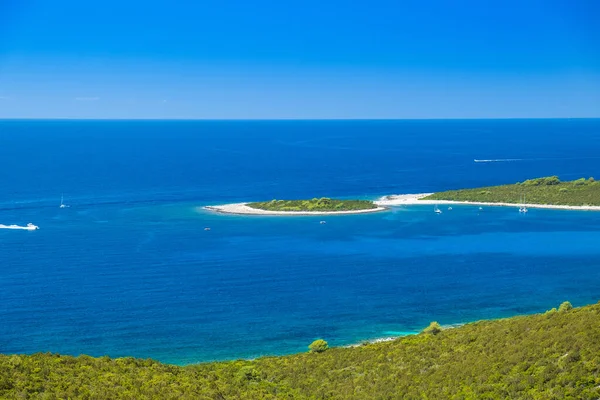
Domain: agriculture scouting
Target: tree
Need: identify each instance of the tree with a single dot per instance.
(247, 373)
(565, 306)
(318, 346)
(434, 328)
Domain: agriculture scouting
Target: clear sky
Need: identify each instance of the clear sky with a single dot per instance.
(225, 59)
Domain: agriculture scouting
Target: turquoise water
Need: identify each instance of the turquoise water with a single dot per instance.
(128, 269)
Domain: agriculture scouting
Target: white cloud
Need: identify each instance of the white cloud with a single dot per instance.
(87, 98)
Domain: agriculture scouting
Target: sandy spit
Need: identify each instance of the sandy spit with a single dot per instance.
(244, 209)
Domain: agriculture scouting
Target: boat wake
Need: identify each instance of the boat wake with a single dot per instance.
(499, 160)
(28, 227)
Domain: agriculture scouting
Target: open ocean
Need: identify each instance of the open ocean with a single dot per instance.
(128, 269)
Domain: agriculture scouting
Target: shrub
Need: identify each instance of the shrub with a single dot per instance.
(318, 346)
(565, 306)
(434, 328)
(247, 373)
(550, 180)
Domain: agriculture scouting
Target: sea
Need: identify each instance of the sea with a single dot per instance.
(128, 269)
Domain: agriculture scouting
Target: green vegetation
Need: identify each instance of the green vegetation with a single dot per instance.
(565, 306)
(546, 356)
(434, 328)
(314, 205)
(549, 190)
(318, 346)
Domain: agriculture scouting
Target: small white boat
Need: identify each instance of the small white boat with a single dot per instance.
(322, 222)
(437, 210)
(207, 229)
(28, 227)
(480, 208)
(62, 202)
(449, 208)
(522, 208)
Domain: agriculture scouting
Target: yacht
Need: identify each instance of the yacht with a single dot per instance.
(522, 208)
(62, 202)
(31, 227)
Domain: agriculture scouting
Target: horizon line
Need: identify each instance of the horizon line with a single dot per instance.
(294, 119)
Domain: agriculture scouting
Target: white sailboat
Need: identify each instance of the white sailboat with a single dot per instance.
(62, 202)
(437, 210)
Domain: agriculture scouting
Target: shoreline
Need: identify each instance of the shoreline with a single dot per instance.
(383, 203)
(416, 199)
(244, 209)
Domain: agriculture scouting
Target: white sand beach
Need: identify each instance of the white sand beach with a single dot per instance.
(244, 209)
(416, 199)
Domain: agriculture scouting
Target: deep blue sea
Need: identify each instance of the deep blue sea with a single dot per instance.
(128, 269)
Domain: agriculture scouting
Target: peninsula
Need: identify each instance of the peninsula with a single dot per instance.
(321, 206)
(548, 192)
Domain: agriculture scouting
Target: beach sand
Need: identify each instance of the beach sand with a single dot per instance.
(244, 209)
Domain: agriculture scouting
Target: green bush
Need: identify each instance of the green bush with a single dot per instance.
(318, 346)
(247, 373)
(434, 328)
(565, 306)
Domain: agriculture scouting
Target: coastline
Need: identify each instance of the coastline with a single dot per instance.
(244, 209)
(416, 199)
(383, 204)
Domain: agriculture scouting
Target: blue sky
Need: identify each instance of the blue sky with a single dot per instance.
(310, 59)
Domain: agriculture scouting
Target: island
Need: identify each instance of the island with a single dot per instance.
(547, 192)
(551, 355)
(316, 206)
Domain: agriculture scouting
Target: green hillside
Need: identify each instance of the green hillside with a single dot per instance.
(547, 356)
(549, 190)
